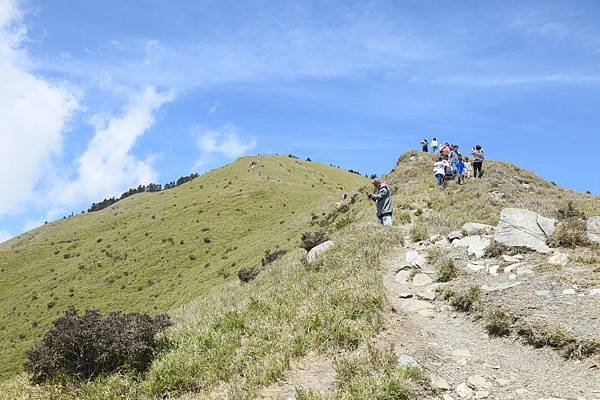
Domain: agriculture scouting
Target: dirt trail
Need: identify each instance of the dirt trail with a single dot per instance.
(453, 347)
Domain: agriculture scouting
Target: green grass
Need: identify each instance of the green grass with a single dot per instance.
(242, 337)
(157, 251)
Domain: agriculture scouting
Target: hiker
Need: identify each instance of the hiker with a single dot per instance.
(440, 168)
(468, 168)
(460, 170)
(435, 146)
(453, 156)
(383, 199)
(446, 149)
(478, 158)
(425, 145)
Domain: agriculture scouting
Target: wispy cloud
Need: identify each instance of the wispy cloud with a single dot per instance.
(491, 81)
(226, 142)
(34, 114)
(107, 166)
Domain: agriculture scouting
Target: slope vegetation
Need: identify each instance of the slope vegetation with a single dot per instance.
(157, 251)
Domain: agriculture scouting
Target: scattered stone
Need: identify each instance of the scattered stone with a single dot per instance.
(523, 393)
(462, 362)
(512, 277)
(475, 245)
(558, 258)
(511, 268)
(421, 279)
(407, 361)
(402, 277)
(499, 286)
(594, 292)
(593, 229)
(479, 382)
(497, 195)
(414, 258)
(405, 295)
(482, 394)
(447, 397)
(524, 270)
(519, 227)
(429, 293)
(512, 259)
(318, 250)
(502, 381)
(474, 228)
(437, 382)
(542, 293)
(569, 292)
(454, 235)
(464, 392)
(493, 270)
(442, 243)
(476, 267)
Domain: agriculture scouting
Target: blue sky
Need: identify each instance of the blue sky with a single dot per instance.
(99, 96)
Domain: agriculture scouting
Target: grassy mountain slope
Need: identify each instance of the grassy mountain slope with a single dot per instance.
(157, 251)
(233, 338)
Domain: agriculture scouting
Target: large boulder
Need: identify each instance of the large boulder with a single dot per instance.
(318, 250)
(518, 227)
(593, 229)
(475, 228)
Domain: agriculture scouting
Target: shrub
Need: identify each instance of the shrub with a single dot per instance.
(312, 239)
(83, 347)
(496, 249)
(569, 211)
(271, 256)
(418, 232)
(467, 300)
(248, 274)
(498, 323)
(570, 233)
(447, 271)
(403, 218)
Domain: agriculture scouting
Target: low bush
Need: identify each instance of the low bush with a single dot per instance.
(447, 271)
(497, 323)
(466, 301)
(403, 217)
(569, 211)
(570, 233)
(248, 274)
(418, 232)
(271, 256)
(84, 347)
(312, 239)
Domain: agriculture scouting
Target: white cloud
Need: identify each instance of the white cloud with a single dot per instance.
(33, 114)
(107, 167)
(491, 81)
(225, 143)
(4, 236)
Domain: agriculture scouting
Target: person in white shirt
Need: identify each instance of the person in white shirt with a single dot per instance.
(439, 170)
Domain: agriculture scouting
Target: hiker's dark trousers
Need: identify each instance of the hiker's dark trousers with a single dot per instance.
(477, 169)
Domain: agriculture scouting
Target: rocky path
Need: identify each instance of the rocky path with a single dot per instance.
(463, 360)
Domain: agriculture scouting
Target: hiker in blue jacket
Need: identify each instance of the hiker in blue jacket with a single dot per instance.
(383, 199)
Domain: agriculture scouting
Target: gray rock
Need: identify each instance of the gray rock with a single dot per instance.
(407, 361)
(568, 292)
(427, 293)
(542, 293)
(475, 245)
(318, 250)
(519, 227)
(475, 228)
(464, 392)
(479, 382)
(405, 295)
(437, 382)
(414, 258)
(558, 258)
(593, 229)
(402, 277)
(455, 235)
(594, 292)
(512, 259)
(476, 267)
(499, 286)
(482, 394)
(493, 270)
(414, 305)
(421, 280)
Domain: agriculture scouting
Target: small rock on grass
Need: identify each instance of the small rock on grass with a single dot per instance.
(437, 382)
(407, 361)
(464, 392)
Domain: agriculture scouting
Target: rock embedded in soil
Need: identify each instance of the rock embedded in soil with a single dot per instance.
(475, 228)
(407, 361)
(479, 382)
(437, 382)
(318, 250)
(593, 229)
(476, 245)
(421, 279)
(558, 258)
(519, 227)
(455, 235)
(415, 259)
(402, 277)
(464, 392)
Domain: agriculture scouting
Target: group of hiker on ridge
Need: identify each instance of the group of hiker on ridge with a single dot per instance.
(450, 165)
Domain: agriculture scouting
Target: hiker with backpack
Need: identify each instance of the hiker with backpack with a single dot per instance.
(478, 158)
(442, 169)
(383, 200)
